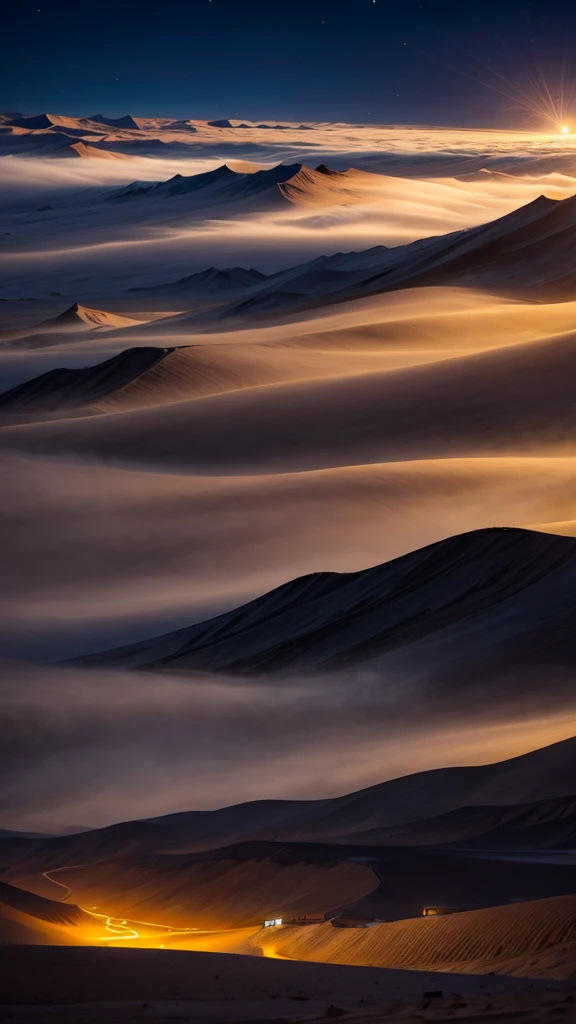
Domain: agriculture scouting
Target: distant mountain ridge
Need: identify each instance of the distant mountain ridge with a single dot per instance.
(527, 251)
(115, 122)
(522, 804)
(75, 318)
(210, 281)
(223, 183)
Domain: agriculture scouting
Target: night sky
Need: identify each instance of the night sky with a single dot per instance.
(359, 61)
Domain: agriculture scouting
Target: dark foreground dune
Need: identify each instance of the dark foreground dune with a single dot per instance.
(111, 985)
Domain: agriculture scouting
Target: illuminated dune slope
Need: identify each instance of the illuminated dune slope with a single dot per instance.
(148, 376)
(494, 599)
(241, 885)
(515, 400)
(75, 318)
(219, 893)
(30, 919)
(325, 187)
(509, 939)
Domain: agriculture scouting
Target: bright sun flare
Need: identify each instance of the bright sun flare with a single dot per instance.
(565, 129)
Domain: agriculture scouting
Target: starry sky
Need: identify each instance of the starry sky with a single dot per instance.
(366, 61)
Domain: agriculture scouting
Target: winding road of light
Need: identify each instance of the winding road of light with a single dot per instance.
(120, 931)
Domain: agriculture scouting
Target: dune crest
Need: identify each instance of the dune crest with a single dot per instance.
(328, 622)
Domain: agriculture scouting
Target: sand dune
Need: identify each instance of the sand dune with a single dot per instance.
(114, 122)
(88, 152)
(241, 885)
(30, 919)
(325, 187)
(149, 376)
(469, 942)
(69, 389)
(211, 543)
(278, 209)
(220, 186)
(75, 318)
(524, 252)
(543, 824)
(207, 558)
(497, 595)
(211, 281)
(465, 801)
(217, 894)
(113, 985)
(517, 400)
(297, 183)
(427, 323)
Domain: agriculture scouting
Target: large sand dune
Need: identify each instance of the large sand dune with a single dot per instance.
(527, 826)
(241, 885)
(509, 940)
(528, 249)
(148, 376)
(513, 400)
(217, 894)
(495, 597)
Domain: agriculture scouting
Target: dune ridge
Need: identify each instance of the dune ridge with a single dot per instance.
(217, 894)
(524, 252)
(69, 389)
(148, 376)
(471, 942)
(75, 318)
(464, 801)
(490, 583)
(513, 400)
(33, 920)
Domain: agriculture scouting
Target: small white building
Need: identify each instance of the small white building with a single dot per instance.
(273, 922)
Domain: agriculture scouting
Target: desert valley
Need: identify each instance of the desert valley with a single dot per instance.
(288, 446)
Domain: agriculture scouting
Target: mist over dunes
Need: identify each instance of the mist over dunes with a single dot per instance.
(288, 562)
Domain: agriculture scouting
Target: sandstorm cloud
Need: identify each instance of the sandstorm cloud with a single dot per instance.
(94, 747)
